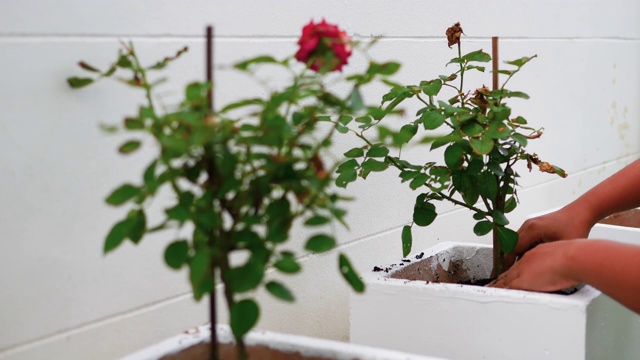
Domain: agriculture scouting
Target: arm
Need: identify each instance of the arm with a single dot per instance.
(611, 267)
(619, 192)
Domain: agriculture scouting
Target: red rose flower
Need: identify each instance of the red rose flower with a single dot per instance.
(323, 46)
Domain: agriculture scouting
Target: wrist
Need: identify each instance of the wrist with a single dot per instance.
(572, 260)
(583, 213)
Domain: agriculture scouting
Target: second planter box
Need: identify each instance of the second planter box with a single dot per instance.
(401, 311)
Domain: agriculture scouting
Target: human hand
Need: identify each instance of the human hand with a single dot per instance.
(563, 224)
(545, 268)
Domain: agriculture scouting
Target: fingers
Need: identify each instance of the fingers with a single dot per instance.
(501, 282)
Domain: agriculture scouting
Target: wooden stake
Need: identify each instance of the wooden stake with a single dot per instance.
(212, 297)
(494, 56)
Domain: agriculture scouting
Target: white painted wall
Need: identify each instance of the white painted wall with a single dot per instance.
(61, 299)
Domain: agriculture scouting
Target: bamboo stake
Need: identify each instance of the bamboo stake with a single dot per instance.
(212, 296)
(494, 56)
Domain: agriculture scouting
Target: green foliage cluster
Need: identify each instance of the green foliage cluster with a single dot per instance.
(482, 141)
(239, 182)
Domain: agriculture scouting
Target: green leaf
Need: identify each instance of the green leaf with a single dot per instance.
(280, 291)
(244, 316)
(407, 240)
(374, 165)
(138, 225)
(316, 220)
(342, 129)
(508, 239)
(520, 139)
(241, 104)
(320, 243)
(133, 124)
(196, 91)
(365, 120)
(345, 178)
(499, 218)
(246, 277)
(495, 168)
(498, 130)
(432, 119)
(478, 216)
(500, 113)
(483, 228)
(116, 236)
(177, 254)
(472, 128)
(264, 59)
(347, 166)
(477, 55)
(345, 120)
(129, 147)
(520, 62)
(77, 82)
(444, 140)
(388, 68)
(349, 274)
(407, 175)
(454, 156)
(406, 133)
(482, 146)
(355, 100)
(418, 181)
(124, 62)
(424, 213)
(123, 194)
(178, 212)
(517, 94)
(378, 150)
(510, 204)
(198, 269)
(431, 88)
(519, 120)
(488, 185)
(287, 263)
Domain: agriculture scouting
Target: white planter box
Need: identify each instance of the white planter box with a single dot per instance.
(469, 322)
(625, 234)
(306, 346)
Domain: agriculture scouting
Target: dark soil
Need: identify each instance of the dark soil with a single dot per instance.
(629, 218)
(228, 352)
(423, 270)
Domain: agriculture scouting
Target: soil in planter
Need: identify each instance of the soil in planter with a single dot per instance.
(430, 269)
(228, 352)
(629, 218)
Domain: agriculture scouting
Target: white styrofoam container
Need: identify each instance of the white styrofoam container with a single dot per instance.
(624, 234)
(468, 322)
(307, 346)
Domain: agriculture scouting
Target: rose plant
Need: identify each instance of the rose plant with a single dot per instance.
(482, 141)
(241, 176)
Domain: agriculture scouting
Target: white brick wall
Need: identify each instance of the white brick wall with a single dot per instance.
(61, 299)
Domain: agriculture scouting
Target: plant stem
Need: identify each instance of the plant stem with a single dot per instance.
(497, 254)
(461, 76)
(212, 316)
(241, 349)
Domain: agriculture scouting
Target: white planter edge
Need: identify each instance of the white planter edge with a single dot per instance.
(307, 346)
